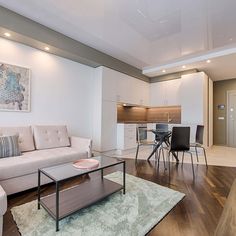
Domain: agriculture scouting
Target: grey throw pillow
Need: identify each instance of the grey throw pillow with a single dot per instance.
(9, 146)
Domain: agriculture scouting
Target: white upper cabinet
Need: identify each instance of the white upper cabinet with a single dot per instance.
(165, 93)
(119, 87)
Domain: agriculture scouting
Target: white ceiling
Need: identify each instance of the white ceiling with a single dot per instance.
(144, 33)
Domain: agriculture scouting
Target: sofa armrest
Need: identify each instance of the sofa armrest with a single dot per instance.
(3, 201)
(83, 144)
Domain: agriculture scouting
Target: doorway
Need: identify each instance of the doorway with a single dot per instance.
(231, 118)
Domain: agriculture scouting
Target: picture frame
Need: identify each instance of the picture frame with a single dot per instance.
(15, 88)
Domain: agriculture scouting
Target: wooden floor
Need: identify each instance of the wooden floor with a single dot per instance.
(197, 214)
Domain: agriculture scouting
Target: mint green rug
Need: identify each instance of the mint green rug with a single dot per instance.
(135, 213)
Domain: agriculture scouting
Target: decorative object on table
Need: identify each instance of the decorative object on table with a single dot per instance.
(86, 164)
(143, 206)
(14, 88)
(9, 146)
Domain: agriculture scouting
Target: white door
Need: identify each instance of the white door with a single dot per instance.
(231, 119)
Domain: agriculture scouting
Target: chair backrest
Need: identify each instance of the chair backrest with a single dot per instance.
(199, 134)
(180, 139)
(141, 134)
(162, 127)
(227, 222)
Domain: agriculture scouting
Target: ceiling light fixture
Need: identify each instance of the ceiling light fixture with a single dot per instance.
(47, 48)
(208, 61)
(124, 104)
(183, 66)
(163, 71)
(7, 34)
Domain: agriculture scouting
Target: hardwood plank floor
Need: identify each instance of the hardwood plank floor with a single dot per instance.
(198, 213)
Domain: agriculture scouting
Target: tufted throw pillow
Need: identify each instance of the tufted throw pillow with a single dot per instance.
(9, 146)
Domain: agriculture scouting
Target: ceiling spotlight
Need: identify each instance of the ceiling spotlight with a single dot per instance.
(163, 71)
(183, 66)
(7, 34)
(208, 61)
(124, 104)
(47, 48)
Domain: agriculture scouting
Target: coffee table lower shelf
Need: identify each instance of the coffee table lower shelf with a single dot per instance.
(76, 198)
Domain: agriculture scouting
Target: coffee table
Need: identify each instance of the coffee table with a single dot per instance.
(66, 202)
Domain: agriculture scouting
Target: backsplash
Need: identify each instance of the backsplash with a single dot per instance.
(162, 114)
(154, 114)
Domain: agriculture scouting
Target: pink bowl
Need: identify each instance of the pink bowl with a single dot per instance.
(86, 164)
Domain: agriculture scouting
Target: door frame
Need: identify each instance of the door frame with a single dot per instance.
(227, 115)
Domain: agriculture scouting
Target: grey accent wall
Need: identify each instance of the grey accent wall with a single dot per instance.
(33, 34)
(172, 76)
(220, 89)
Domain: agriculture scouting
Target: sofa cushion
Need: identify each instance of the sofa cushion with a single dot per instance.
(29, 162)
(26, 141)
(50, 137)
(9, 146)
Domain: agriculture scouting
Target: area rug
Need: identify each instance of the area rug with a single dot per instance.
(133, 214)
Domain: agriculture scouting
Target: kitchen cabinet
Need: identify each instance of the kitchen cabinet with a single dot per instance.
(165, 93)
(132, 91)
(126, 136)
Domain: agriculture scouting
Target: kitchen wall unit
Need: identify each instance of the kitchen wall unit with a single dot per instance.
(190, 92)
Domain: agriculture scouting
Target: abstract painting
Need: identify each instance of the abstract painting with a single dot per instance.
(14, 88)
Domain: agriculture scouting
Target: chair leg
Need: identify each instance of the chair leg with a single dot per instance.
(192, 164)
(137, 150)
(205, 156)
(169, 164)
(163, 157)
(183, 158)
(196, 154)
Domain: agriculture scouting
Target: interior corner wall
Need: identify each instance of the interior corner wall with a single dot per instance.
(220, 89)
(60, 89)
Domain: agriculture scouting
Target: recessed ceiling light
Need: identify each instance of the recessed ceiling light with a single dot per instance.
(183, 66)
(47, 48)
(7, 34)
(163, 71)
(124, 104)
(208, 61)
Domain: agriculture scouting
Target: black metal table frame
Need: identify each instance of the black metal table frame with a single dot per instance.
(57, 187)
(163, 139)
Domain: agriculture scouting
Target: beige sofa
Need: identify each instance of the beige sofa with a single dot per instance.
(41, 146)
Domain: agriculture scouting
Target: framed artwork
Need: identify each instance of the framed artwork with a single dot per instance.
(14, 88)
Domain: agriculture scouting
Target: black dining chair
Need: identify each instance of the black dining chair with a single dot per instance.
(199, 142)
(180, 142)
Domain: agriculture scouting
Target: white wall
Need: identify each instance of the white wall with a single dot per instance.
(60, 89)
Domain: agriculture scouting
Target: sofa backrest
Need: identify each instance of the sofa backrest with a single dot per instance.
(49, 136)
(26, 141)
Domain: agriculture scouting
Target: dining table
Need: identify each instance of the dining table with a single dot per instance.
(161, 137)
